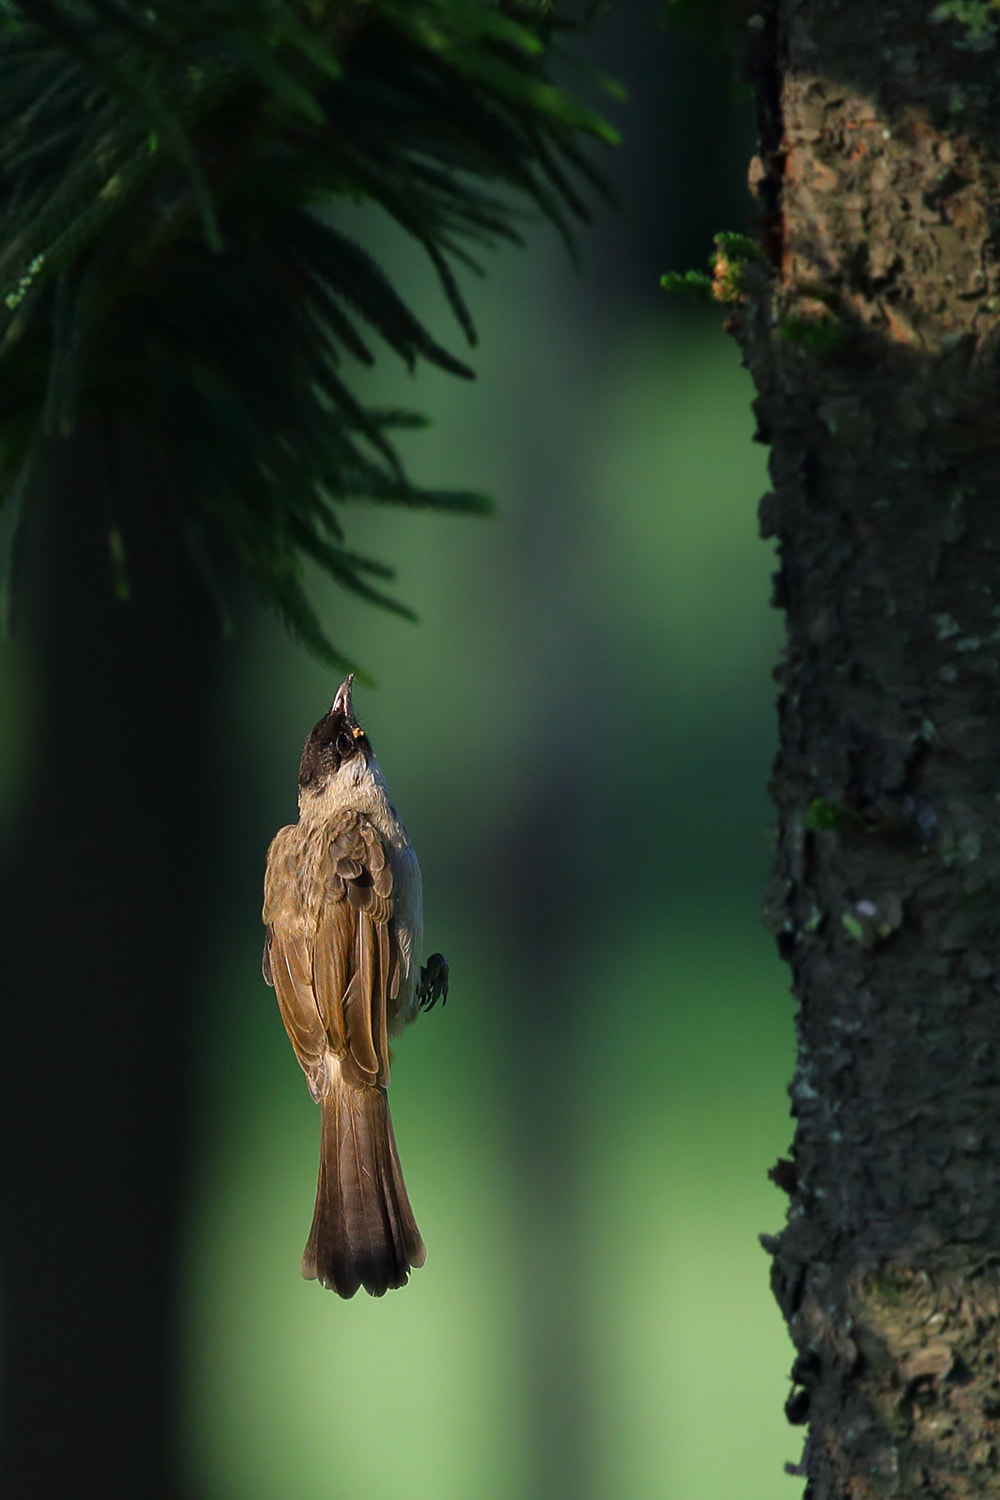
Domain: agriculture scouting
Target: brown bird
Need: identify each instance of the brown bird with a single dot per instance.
(343, 912)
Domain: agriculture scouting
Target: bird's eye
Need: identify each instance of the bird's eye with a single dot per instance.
(345, 743)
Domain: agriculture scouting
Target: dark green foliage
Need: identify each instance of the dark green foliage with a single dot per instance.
(824, 816)
(978, 18)
(738, 247)
(171, 260)
(689, 283)
(731, 253)
(821, 335)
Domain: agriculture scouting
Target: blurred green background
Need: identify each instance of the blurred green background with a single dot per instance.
(579, 736)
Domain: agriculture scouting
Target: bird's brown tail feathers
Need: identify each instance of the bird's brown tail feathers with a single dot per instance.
(363, 1230)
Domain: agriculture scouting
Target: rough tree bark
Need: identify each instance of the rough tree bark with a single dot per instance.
(873, 342)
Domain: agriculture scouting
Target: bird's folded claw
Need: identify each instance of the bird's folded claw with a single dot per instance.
(433, 982)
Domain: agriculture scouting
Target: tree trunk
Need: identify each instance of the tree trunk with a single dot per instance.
(873, 345)
(102, 911)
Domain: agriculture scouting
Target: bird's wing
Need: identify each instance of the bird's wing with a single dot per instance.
(291, 902)
(331, 951)
(355, 955)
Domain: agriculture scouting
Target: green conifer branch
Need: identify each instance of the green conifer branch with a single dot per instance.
(170, 255)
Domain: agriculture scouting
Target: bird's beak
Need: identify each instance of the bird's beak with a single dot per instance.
(342, 702)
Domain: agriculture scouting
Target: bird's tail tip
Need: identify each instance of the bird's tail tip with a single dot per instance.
(363, 1231)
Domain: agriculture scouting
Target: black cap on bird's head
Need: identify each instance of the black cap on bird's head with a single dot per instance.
(337, 738)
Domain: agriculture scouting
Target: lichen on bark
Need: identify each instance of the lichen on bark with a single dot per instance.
(879, 185)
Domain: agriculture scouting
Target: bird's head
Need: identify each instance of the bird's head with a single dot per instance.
(336, 745)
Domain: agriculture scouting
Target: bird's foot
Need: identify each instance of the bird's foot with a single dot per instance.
(433, 982)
